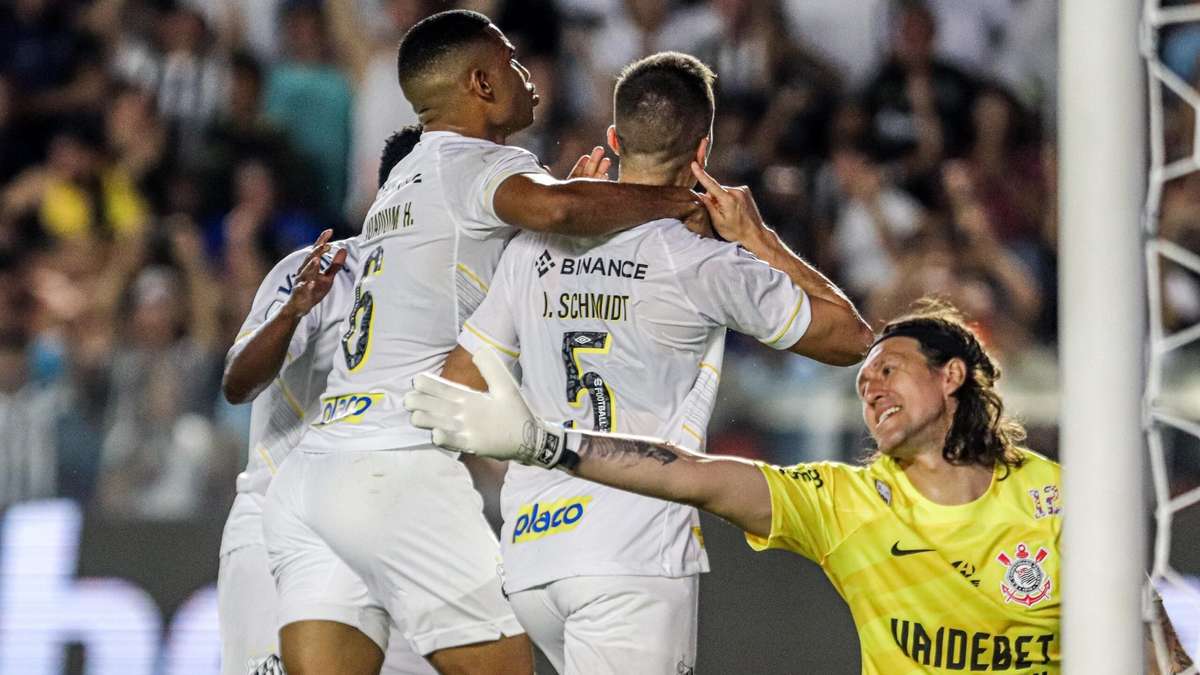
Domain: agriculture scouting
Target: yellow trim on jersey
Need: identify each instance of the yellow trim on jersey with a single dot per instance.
(788, 326)
(706, 364)
(290, 398)
(490, 341)
(262, 452)
(474, 277)
(695, 434)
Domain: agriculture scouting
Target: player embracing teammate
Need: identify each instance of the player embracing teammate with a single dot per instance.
(364, 486)
(626, 333)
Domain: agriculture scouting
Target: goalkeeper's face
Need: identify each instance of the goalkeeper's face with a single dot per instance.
(906, 402)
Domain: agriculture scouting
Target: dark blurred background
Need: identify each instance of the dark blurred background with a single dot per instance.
(158, 156)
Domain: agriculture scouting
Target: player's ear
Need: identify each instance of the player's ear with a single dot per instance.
(613, 141)
(481, 85)
(954, 373)
(702, 151)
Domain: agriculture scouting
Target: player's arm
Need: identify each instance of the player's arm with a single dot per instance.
(254, 360)
(729, 487)
(499, 424)
(837, 333)
(581, 207)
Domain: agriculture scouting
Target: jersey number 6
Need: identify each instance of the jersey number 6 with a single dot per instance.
(356, 343)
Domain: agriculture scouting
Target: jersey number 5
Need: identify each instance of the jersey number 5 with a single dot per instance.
(356, 343)
(575, 343)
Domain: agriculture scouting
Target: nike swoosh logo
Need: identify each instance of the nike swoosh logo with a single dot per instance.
(897, 551)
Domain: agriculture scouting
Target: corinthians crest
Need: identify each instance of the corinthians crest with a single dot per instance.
(1025, 582)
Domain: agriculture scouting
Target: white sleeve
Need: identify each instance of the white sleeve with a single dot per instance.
(273, 292)
(493, 323)
(471, 181)
(731, 287)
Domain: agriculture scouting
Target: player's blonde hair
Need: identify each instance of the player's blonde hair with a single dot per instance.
(980, 433)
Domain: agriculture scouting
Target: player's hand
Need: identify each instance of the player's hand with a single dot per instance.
(594, 165)
(699, 220)
(496, 424)
(734, 214)
(312, 283)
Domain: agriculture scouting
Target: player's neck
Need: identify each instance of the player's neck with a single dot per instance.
(468, 128)
(944, 483)
(651, 176)
(935, 478)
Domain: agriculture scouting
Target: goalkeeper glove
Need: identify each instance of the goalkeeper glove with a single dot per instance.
(497, 424)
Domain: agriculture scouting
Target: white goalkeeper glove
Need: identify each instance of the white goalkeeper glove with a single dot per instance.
(496, 424)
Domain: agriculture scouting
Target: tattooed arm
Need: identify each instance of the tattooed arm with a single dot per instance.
(729, 487)
(500, 425)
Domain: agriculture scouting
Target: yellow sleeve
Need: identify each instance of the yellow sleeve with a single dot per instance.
(803, 519)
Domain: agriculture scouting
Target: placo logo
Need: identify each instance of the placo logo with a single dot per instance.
(538, 520)
(348, 408)
(43, 607)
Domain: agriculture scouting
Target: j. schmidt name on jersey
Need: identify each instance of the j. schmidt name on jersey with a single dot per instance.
(603, 306)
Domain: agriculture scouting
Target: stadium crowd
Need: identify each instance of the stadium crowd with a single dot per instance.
(158, 156)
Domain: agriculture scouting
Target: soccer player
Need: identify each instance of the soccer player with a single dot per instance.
(366, 487)
(626, 333)
(281, 360)
(945, 544)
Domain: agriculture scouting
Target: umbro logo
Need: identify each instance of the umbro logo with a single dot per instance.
(897, 551)
(544, 263)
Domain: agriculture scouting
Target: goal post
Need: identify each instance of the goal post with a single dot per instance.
(1101, 136)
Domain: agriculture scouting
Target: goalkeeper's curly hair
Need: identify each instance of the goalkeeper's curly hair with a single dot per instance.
(980, 433)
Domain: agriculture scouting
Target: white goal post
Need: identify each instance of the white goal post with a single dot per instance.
(1101, 137)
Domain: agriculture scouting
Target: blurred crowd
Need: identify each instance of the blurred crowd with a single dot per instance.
(158, 156)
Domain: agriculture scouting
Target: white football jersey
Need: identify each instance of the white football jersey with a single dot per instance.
(623, 334)
(279, 413)
(429, 247)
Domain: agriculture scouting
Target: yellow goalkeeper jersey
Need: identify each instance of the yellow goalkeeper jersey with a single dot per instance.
(932, 588)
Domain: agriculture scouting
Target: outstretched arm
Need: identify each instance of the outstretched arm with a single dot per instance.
(729, 487)
(583, 207)
(499, 424)
(255, 360)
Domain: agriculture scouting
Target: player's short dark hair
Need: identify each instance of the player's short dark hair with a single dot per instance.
(663, 105)
(980, 433)
(435, 37)
(396, 148)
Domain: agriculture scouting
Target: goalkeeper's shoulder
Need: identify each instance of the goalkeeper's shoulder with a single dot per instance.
(827, 477)
(1030, 465)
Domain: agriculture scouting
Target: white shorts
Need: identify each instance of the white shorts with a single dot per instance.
(246, 609)
(621, 625)
(408, 523)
